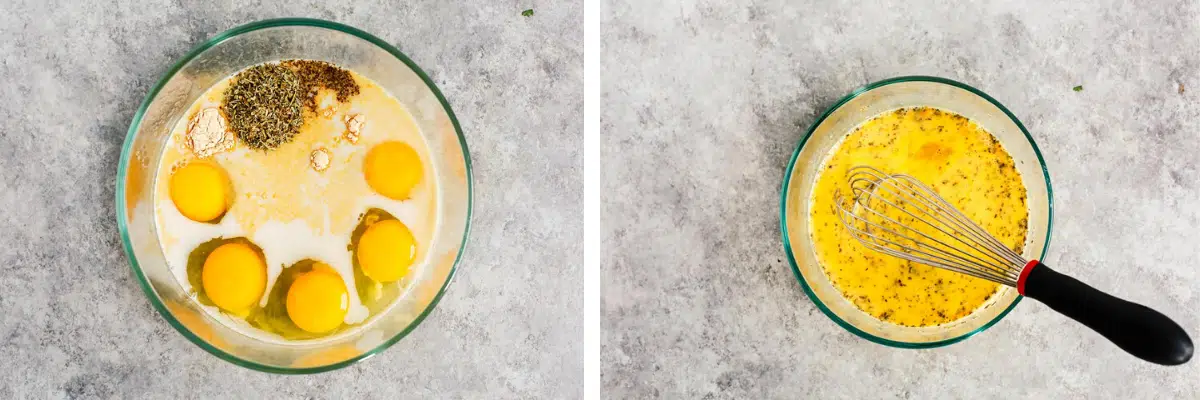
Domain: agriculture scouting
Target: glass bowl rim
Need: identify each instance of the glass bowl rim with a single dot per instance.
(783, 202)
(123, 168)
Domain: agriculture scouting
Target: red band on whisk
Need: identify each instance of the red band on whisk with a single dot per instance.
(1024, 275)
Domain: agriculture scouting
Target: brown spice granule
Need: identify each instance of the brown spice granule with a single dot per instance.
(315, 75)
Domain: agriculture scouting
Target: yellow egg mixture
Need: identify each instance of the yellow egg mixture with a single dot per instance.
(964, 164)
(269, 243)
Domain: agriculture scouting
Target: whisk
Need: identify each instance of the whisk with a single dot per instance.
(897, 215)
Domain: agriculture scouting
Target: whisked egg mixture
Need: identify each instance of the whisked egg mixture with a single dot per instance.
(964, 164)
(309, 238)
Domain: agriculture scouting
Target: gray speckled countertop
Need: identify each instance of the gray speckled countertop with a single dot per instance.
(704, 102)
(75, 324)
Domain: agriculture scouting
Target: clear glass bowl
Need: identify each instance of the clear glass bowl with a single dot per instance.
(273, 40)
(856, 108)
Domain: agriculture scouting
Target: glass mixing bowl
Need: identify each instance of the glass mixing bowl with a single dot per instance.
(859, 106)
(274, 40)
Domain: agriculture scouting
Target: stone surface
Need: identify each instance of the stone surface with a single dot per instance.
(74, 323)
(704, 102)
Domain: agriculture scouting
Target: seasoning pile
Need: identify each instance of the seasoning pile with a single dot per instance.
(267, 104)
(208, 133)
(264, 106)
(316, 75)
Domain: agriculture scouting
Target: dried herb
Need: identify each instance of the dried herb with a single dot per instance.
(264, 106)
(1078, 88)
(315, 75)
(527, 13)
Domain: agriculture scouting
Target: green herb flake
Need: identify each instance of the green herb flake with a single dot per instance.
(527, 13)
(1078, 88)
(264, 106)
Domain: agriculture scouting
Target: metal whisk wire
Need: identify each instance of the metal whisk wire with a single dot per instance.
(880, 199)
(897, 215)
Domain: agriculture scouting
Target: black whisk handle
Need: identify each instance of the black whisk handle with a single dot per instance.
(1137, 329)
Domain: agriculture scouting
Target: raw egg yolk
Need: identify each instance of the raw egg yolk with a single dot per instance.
(318, 300)
(234, 277)
(392, 169)
(386, 251)
(200, 191)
